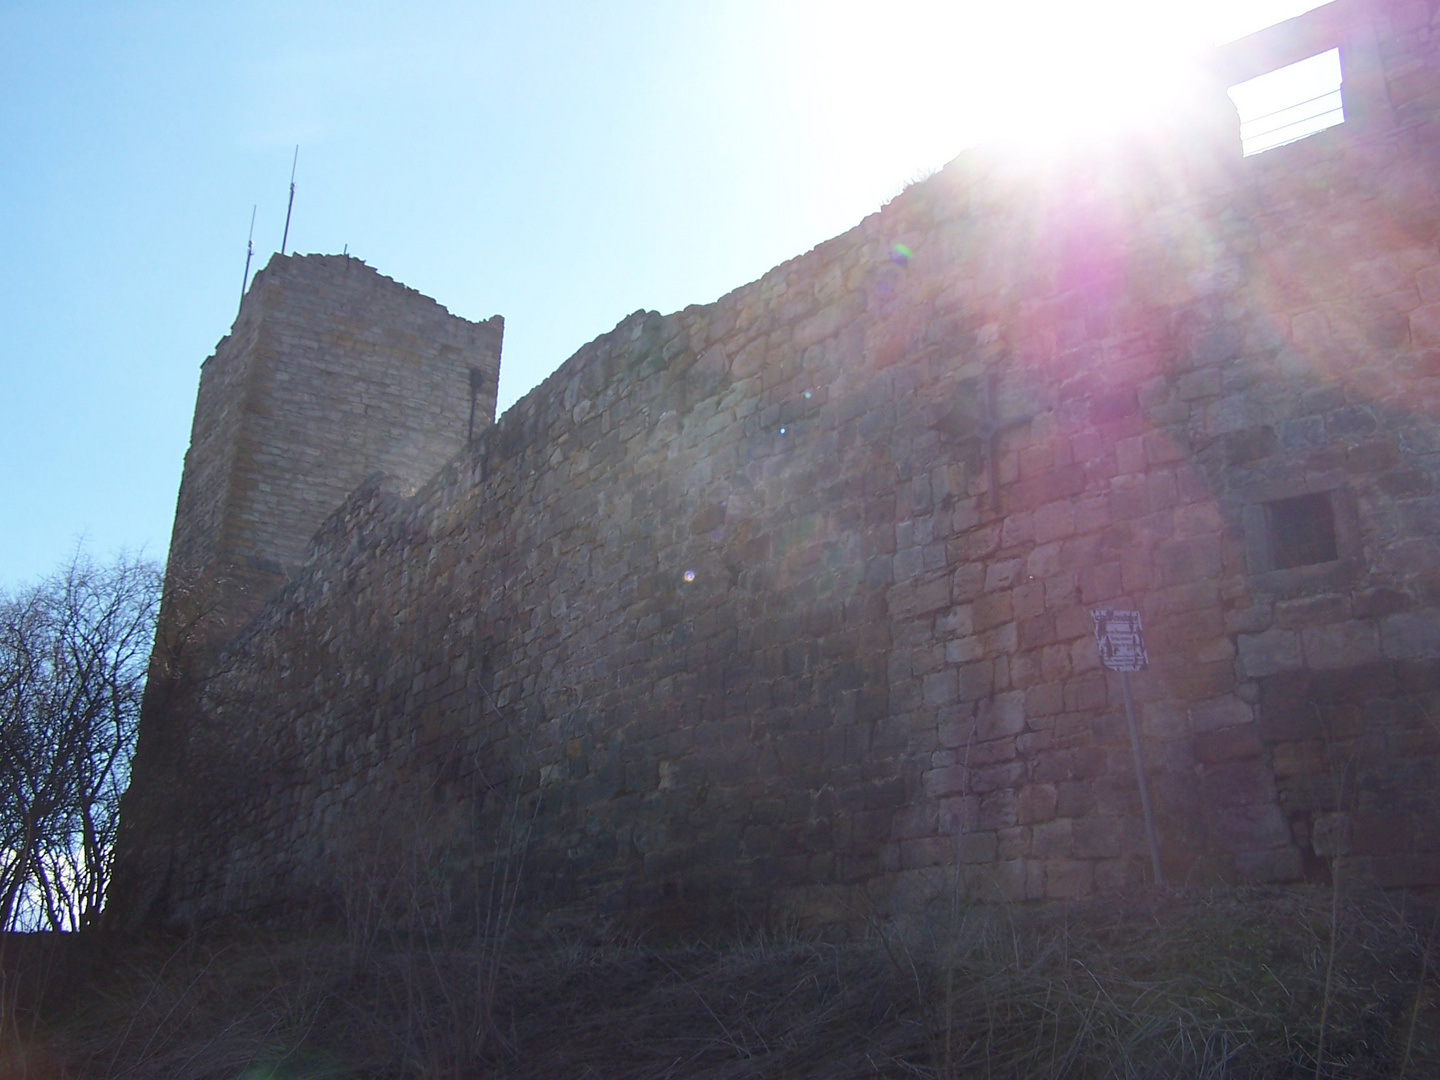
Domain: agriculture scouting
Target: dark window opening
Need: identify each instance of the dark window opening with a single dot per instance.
(1302, 531)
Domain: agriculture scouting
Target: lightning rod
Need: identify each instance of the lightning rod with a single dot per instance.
(293, 162)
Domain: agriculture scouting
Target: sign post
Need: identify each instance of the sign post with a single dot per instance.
(1122, 648)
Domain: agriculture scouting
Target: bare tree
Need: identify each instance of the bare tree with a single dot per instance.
(73, 656)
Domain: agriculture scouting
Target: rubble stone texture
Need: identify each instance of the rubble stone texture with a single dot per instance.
(781, 605)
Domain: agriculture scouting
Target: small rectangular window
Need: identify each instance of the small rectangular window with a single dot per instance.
(1290, 104)
(1302, 531)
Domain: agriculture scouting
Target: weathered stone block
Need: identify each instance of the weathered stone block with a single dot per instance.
(977, 848)
(1003, 882)
(1002, 715)
(1054, 521)
(1086, 692)
(1028, 601)
(1330, 835)
(1370, 603)
(1097, 837)
(940, 688)
(1002, 574)
(1425, 326)
(1341, 645)
(927, 851)
(1074, 798)
(1416, 634)
(1067, 879)
(1162, 720)
(1247, 827)
(1299, 759)
(1239, 783)
(997, 777)
(991, 610)
(949, 780)
(1275, 866)
(1081, 763)
(1043, 561)
(1052, 839)
(1312, 611)
(908, 599)
(1235, 743)
(1271, 651)
(975, 681)
(1371, 457)
(1408, 871)
(988, 753)
(1035, 804)
(1249, 620)
(1188, 560)
(997, 811)
(1099, 583)
(1046, 699)
(1420, 517)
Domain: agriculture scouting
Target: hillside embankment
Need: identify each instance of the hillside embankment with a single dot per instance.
(1228, 983)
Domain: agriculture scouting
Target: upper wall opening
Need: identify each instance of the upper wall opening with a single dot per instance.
(1289, 104)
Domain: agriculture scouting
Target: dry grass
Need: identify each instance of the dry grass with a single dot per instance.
(1214, 984)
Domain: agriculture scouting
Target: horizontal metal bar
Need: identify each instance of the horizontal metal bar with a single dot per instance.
(1294, 110)
(1300, 129)
(1298, 122)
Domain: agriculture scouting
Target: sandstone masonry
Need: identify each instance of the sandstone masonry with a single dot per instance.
(331, 372)
(782, 604)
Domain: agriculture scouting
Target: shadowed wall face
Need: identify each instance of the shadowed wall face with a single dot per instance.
(784, 603)
(331, 373)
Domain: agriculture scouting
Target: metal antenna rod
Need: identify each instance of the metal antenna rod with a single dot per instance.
(249, 253)
(293, 162)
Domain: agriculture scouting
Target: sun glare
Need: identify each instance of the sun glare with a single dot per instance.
(889, 93)
(1068, 72)
(1064, 73)
(1044, 74)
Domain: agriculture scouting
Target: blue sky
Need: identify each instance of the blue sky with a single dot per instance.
(560, 163)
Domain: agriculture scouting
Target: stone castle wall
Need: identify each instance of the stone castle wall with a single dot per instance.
(784, 601)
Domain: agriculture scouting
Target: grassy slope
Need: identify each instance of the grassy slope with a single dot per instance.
(1202, 984)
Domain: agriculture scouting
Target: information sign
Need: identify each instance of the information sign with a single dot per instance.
(1121, 639)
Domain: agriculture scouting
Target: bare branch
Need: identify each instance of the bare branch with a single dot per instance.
(73, 655)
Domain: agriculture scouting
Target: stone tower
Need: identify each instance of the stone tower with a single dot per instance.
(331, 372)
